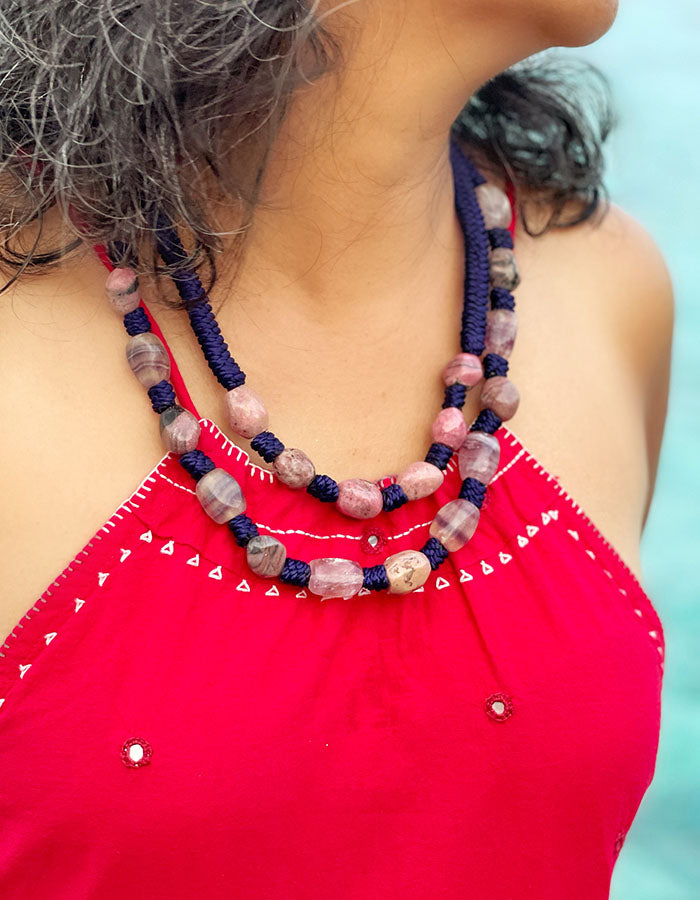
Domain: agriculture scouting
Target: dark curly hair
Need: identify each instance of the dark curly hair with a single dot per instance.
(112, 109)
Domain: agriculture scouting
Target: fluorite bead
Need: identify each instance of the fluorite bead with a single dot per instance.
(465, 368)
(359, 499)
(504, 269)
(478, 456)
(407, 571)
(179, 429)
(148, 358)
(266, 556)
(220, 495)
(501, 395)
(332, 577)
(420, 479)
(450, 427)
(294, 468)
(246, 411)
(501, 328)
(495, 206)
(455, 523)
(122, 290)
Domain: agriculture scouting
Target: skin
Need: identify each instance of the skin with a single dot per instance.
(352, 267)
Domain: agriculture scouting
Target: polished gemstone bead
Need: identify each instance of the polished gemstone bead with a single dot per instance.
(420, 479)
(122, 290)
(495, 206)
(266, 556)
(220, 495)
(359, 499)
(407, 571)
(246, 411)
(294, 468)
(179, 429)
(501, 327)
(148, 358)
(450, 427)
(455, 523)
(331, 577)
(478, 456)
(465, 368)
(501, 395)
(504, 269)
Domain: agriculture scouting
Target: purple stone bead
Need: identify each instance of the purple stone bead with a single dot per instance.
(501, 328)
(148, 358)
(360, 499)
(465, 368)
(294, 468)
(179, 429)
(266, 556)
(455, 523)
(495, 206)
(420, 479)
(335, 578)
(246, 411)
(504, 269)
(501, 395)
(407, 571)
(478, 456)
(450, 427)
(122, 290)
(220, 495)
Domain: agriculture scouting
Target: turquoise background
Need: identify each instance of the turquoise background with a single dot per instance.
(652, 59)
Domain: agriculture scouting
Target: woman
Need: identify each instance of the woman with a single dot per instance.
(176, 718)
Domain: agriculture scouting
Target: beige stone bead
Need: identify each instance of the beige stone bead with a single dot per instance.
(407, 571)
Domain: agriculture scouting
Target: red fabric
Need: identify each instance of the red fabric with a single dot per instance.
(339, 749)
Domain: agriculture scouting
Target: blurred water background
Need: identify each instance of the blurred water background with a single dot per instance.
(652, 59)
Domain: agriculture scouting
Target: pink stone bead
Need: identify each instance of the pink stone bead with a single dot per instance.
(407, 571)
(148, 358)
(179, 429)
(420, 479)
(122, 290)
(495, 206)
(455, 523)
(294, 468)
(450, 427)
(501, 395)
(465, 368)
(220, 495)
(504, 269)
(335, 578)
(266, 556)
(501, 328)
(478, 456)
(359, 499)
(246, 411)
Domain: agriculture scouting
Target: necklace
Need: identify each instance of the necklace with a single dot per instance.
(220, 494)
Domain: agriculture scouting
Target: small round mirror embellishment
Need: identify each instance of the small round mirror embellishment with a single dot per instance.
(136, 752)
(499, 707)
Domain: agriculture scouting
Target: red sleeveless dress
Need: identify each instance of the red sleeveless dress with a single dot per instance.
(173, 726)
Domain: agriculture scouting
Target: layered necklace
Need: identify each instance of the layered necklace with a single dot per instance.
(487, 336)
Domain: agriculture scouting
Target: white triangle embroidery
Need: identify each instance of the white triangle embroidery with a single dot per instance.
(147, 536)
(609, 574)
(302, 594)
(522, 540)
(49, 637)
(124, 555)
(591, 554)
(504, 557)
(660, 649)
(654, 634)
(216, 573)
(102, 577)
(639, 612)
(532, 530)
(243, 586)
(362, 592)
(574, 534)
(193, 560)
(486, 568)
(78, 603)
(272, 592)
(24, 669)
(554, 513)
(2, 700)
(168, 548)
(545, 518)
(441, 583)
(623, 591)
(420, 590)
(465, 576)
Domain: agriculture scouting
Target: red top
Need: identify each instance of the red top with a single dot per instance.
(490, 736)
